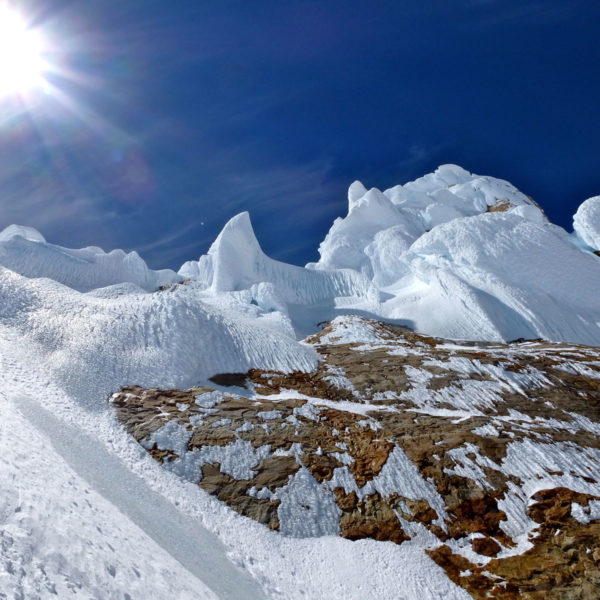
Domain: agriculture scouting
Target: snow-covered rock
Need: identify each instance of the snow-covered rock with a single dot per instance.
(469, 451)
(499, 276)
(415, 208)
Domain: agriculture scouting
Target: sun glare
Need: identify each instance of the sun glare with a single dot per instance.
(21, 64)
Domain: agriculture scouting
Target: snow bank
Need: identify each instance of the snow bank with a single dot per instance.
(499, 276)
(358, 240)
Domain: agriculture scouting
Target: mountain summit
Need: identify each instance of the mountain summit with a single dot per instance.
(451, 254)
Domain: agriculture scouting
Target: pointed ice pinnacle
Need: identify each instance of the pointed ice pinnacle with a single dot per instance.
(355, 192)
(235, 253)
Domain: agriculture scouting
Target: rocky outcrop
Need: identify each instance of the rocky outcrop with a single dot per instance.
(487, 454)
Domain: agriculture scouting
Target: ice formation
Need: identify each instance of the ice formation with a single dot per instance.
(25, 251)
(451, 254)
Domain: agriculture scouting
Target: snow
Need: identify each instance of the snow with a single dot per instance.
(109, 521)
(351, 330)
(428, 254)
(27, 233)
(60, 537)
(93, 346)
(209, 399)
(587, 514)
(452, 254)
(236, 459)
(586, 223)
(491, 277)
(85, 512)
(306, 509)
(25, 251)
(235, 261)
(399, 475)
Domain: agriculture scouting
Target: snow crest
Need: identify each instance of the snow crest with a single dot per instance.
(452, 254)
(586, 223)
(25, 251)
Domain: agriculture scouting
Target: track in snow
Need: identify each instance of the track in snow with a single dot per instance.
(196, 548)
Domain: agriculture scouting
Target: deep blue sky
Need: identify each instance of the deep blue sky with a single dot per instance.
(169, 117)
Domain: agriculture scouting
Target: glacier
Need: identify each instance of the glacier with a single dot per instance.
(452, 254)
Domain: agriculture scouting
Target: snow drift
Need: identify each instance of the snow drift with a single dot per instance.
(93, 345)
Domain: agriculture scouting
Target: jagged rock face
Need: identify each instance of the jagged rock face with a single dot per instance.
(486, 454)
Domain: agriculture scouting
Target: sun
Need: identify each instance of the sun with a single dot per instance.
(21, 63)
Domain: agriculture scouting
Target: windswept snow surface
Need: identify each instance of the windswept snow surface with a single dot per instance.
(86, 513)
(93, 345)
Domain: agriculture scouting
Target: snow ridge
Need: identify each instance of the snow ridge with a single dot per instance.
(25, 251)
(452, 255)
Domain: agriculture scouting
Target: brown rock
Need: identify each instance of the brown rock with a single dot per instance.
(564, 560)
(485, 546)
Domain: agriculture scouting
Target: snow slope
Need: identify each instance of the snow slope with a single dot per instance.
(93, 345)
(86, 513)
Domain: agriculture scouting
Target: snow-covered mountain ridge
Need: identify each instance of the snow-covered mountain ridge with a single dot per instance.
(451, 254)
(432, 454)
